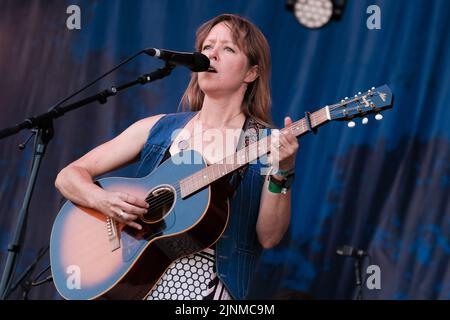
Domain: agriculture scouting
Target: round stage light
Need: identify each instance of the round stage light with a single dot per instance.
(315, 14)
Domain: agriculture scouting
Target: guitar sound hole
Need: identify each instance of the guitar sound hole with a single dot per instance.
(161, 200)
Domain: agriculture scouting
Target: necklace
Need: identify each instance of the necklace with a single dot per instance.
(183, 144)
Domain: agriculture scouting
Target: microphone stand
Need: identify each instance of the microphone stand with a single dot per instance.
(358, 271)
(25, 278)
(358, 256)
(42, 127)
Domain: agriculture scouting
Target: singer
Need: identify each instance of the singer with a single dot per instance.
(232, 96)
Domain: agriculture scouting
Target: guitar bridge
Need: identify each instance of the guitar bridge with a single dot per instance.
(113, 235)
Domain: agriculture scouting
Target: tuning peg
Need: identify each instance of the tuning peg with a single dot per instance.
(346, 98)
(351, 124)
(378, 116)
(359, 92)
(373, 88)
(365, 120)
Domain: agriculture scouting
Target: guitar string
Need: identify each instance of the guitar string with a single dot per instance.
(176, 184)
(165, 199)
(160, 201)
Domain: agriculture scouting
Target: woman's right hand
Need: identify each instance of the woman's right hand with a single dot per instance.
(122, 207)
(75, 181)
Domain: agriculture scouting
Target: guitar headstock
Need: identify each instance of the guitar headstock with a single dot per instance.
(374, 100)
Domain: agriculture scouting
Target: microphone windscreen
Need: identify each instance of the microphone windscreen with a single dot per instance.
(201, 62)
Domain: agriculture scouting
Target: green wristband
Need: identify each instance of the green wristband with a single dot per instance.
(284, 173)
(274, 188)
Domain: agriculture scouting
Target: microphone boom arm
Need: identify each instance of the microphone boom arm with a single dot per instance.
(101, 97)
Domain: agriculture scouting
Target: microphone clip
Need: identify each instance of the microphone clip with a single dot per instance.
(157, 74)
(358, 255)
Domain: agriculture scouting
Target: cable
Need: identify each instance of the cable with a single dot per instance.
(96, 80)
(33, 283)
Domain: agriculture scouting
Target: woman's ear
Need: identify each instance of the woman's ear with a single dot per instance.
(252, 74)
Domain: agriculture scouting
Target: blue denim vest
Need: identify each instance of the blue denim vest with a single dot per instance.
(238, 250)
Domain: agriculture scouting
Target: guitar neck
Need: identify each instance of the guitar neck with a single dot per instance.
(250, 153)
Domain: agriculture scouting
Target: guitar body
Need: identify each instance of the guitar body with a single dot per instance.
(92, 258)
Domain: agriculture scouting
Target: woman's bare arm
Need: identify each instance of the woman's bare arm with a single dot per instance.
(75, 181)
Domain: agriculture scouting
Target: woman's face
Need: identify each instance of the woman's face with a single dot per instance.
(230, 63)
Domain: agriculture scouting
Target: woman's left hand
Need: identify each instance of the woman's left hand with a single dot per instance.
(283, 148)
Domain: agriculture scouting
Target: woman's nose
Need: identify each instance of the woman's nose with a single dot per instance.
(212, 54)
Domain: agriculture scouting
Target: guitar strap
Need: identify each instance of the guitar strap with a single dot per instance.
(248, 134)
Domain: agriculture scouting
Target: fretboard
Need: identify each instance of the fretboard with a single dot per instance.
(250, 153)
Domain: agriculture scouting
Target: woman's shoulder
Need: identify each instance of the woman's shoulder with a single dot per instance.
(156, 118)
(150, 120)
(140, 129)
(145, 126)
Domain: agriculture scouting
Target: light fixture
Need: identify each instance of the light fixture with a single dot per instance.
(315, 14)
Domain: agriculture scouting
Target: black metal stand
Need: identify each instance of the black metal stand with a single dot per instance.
(43, 136)
(42, 125)
(358, 255)
(358, 271)
(25, 279)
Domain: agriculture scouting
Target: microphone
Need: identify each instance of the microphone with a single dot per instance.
(349, 251)
(196, 61)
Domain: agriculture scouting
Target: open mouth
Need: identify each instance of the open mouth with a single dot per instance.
(212, 69)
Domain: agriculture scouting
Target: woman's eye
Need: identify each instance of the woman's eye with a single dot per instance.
(206, 47)
(229, 49)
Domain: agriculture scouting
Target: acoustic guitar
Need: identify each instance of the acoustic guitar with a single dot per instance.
(94, 257)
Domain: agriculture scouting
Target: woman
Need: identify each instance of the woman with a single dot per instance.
(235, 89)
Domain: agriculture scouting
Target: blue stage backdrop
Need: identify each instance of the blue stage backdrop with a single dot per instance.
(382, 187)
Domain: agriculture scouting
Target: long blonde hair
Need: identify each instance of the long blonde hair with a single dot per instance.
(257, 101)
